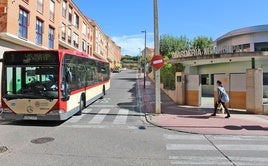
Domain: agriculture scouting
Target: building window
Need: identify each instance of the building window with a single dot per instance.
(70, 14)
(69, 35)
(75, 40)
(51, 35)
(52, 11)
(40, 6)
(212, 79)
(64, 9)
(205, 79)
(63, 31)
(76, 20)
(261, 46)
(39, 31)
(84, 46)
(84, 29)
(23, 23)
(265, 78)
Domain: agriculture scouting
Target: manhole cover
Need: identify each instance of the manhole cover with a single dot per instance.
(42, 140)
(3, 149)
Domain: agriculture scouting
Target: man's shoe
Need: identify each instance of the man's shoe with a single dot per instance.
(228, 116)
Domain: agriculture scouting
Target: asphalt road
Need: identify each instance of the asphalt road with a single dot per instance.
(114, 131)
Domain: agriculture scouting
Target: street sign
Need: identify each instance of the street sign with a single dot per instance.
(157, 61)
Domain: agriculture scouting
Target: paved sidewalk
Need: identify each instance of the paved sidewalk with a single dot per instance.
(198, 120)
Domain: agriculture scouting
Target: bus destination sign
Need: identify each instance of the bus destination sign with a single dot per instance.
(30, 57)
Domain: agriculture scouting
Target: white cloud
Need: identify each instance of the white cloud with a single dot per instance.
(130, 44)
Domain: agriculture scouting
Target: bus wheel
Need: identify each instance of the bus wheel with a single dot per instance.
(103, 92)
(81, 106)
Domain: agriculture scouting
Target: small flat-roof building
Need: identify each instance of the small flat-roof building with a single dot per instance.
(233, 55)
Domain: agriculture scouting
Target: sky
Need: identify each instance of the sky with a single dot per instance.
(123, 20)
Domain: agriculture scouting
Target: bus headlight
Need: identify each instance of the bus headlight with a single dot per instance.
(6, 110)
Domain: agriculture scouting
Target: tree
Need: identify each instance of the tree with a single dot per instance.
(202, 43)
(170, 44)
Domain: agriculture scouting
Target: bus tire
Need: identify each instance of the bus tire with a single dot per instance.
(103, 92)
(81, 105)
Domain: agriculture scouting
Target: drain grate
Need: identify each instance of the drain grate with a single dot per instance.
(3, 149)
(42, 140)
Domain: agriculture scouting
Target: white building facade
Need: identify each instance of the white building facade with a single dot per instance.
(240, 60)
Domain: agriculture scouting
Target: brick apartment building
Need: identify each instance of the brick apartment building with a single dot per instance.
(53, 24)
(149, 52)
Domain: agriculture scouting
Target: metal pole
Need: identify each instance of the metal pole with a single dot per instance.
(157, 52)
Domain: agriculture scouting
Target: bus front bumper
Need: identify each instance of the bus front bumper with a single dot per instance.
(49, 117)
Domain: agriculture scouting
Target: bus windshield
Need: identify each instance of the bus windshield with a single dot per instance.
(30, 82)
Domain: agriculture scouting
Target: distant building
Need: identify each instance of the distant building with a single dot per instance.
(149, 51)
(53, 24)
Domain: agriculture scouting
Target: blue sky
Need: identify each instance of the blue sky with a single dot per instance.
(123, 20)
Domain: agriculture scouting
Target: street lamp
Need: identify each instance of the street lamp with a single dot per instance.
(139, 60)
(144, 57)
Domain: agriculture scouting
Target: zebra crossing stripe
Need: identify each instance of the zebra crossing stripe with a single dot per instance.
(86, 110)
(121, 118)
(198, 160)
(183, 137)
(97, 119)
(189, 147)
(75, 119)
(242, 147)
(250, 160)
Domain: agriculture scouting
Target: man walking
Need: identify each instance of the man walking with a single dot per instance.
(222, 98)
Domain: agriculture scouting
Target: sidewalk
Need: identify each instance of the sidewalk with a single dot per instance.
(198, 120)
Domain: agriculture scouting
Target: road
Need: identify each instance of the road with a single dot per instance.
(114, 131)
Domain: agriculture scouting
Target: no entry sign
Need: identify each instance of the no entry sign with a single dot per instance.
(157, 61)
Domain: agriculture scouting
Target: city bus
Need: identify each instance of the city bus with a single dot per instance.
(50, 84)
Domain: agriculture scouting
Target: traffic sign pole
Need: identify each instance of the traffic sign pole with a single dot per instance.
(157, 52)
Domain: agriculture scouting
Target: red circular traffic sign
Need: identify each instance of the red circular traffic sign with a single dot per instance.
(157, 61)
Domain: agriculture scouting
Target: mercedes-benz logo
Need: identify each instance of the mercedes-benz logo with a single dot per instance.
(29, 109)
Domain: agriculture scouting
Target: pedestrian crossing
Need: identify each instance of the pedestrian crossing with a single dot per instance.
(95, 116)
(190, 149)
(122, 117)
(97, 119)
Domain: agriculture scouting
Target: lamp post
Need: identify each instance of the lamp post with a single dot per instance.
(139, 60)
(144, 57)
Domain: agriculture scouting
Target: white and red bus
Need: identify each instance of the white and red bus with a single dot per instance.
(50, 84)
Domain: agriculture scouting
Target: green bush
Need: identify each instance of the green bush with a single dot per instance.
(168, 73)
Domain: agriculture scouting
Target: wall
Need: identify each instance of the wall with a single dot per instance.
(237, 91)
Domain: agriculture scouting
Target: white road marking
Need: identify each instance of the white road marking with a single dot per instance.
(121, 118)
(97, 119)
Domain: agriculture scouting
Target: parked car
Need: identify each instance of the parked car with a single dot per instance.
(116, 70)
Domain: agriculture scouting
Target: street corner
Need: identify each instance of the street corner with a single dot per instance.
(207, 124)
(154, 118)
